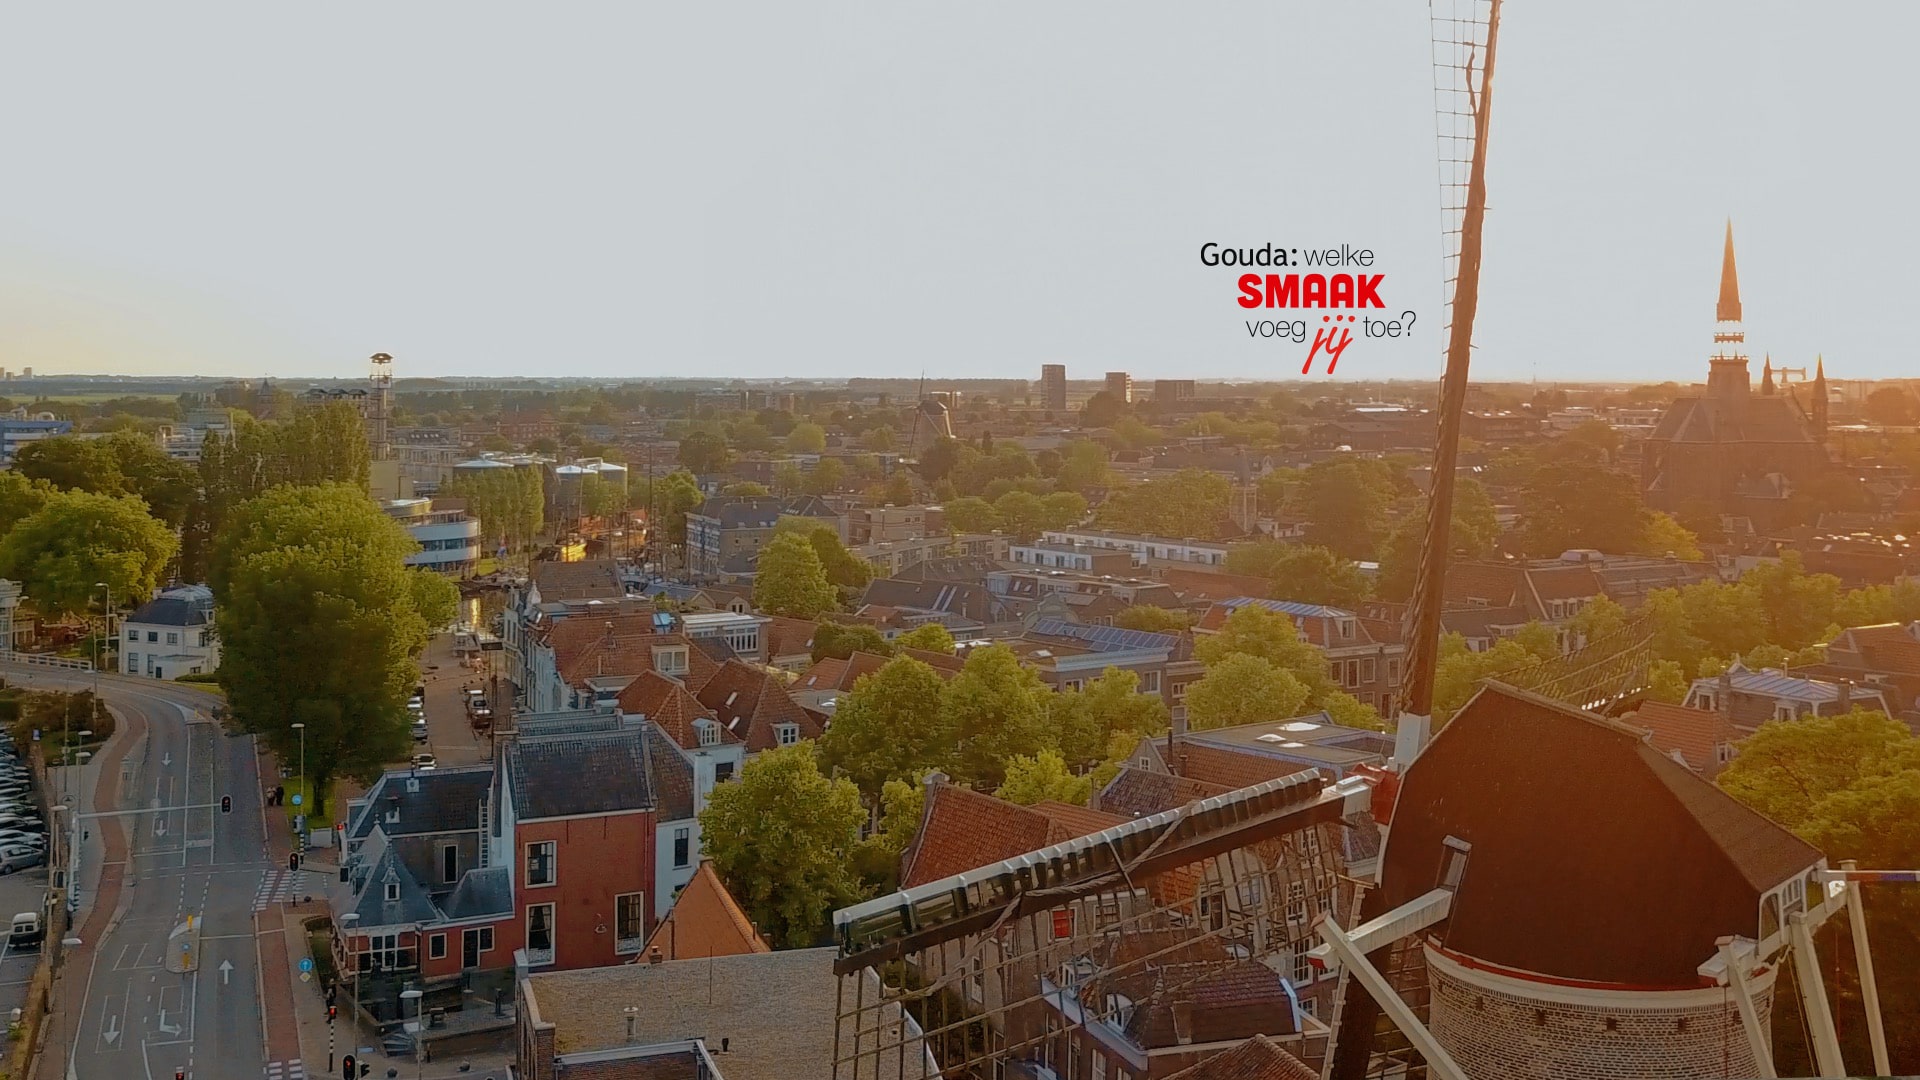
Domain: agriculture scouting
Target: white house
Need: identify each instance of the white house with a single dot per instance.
(171, 635)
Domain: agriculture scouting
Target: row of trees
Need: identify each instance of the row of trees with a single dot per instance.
(510, 503)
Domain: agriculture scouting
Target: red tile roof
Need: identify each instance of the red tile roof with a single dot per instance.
(828, 673)
(704, 921)
(963, 830)
(670, 707)
(789, 637)
(751, 702)
(1259, 1058)
(1695, 733)
(1200, 585)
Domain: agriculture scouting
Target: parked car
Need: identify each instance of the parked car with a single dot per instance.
(22, 822)
(423, 762)
(20, 857)
(10, 837)
(26, 932)
(419, 731)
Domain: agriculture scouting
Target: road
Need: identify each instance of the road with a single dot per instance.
(138, 1019)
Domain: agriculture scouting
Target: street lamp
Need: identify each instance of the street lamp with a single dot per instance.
(349, 920)
(300, 818)
(418, 997)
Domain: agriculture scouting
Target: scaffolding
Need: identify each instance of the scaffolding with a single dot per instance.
(1034, 966)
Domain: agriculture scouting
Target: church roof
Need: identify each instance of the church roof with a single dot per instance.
(1728, 310)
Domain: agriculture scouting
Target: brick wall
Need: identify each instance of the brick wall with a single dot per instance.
(1494, 1032)
(598, 859)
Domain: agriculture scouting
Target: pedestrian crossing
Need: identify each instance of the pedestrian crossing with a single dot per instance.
(285, 886)
(286, 1070)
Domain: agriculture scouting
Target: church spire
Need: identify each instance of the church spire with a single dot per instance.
(1820, 400)
(1728, 310)
(1766, 376)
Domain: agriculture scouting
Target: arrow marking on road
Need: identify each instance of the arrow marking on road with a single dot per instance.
(166, 759)
(164, 1028)
(226, 971)
(113, 1030)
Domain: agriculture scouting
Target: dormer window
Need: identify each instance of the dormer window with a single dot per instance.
(1346, 629)
(393, 891)
(1453, 862)
(670, 660)
(787, 734)
(709, 732)
(1783, 710)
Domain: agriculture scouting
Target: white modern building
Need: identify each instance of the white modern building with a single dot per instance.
(171, 635)
(449, 539)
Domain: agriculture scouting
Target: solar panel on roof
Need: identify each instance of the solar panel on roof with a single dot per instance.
(1104, 638)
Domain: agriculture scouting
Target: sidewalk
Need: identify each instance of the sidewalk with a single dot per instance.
(279, 1025)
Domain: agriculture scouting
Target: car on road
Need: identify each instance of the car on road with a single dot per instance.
(20, 857)
(419, 730)
(423, 762)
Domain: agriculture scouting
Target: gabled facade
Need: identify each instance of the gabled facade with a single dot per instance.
(171, 635)
(1750, 698)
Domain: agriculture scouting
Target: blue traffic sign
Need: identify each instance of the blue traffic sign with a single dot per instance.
(296, 798)
(306, 963)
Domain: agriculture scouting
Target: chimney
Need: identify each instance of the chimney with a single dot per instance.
(1843, 702)
(1725, 700)
(655, 956)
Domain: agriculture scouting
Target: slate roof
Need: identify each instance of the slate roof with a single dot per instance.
(370, 900)
(1258, 1058)
(1228, 767)
(481, 892)
(965, 599)
(750, 702)
(705, 921)
(963, 830)
(1195, 993)
(448, 801)
(568, 775)
(190, 605)
(1137, 792)
(671, 776)
(1667, 863)
(742, 511)
(588, 579)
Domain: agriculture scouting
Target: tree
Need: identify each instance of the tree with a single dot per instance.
(1021, 514)
(19, 497)
(902, 804)
(790, 580)
(782, 837)
(1345, 503)
(1192, 502)
(669, 499)
(1893, 406)
(879, 439)
(927, 637)
(71, 463)
(703, 452)
(1252, 630)
(77, 539)
(807, 438)
(1570, 505)
(321, 623)
(1083, 467)
(938, 461)
(972, 514)
(844, 569)
(825, 477)
(1458, 671)
(996, 709)
(1310, 574)
(1472, 535)
(1243, 689)
(1664, 535)
(1062, 509)
(1043, 778)
(1157, 620)
(832, 640)
(746, 489)
(1102, 410)
(1667, 681)
(888, 727)
(1087, 720)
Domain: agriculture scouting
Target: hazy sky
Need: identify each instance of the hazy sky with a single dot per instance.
(636, 190)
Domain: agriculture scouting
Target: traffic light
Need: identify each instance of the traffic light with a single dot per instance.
(226, 804)
(179, 1074)
(293, 860)
(347, 1071)
(333, 1012)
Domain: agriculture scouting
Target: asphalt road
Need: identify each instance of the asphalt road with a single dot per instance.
(138, 1019)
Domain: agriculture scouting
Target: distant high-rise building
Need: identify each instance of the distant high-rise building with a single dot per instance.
(1120, 386)
(1053, 387)
(1172, 390)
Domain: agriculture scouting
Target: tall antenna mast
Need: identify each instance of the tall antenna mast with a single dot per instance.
(1463, 55)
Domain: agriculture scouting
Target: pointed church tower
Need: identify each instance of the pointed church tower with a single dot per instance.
(1728, 380)
(1819, 399)
(1766, 377)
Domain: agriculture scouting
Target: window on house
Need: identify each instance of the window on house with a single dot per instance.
(449, 863)
(1179, 691)
(540, 860)
(630, 922)
(670, 661)
(173, 637)
(787, 734)
(393, 891)
(1367, 670)
(540, 933)
(1783, 710)
(1149, 682)
(1705, 700)
(153, 637)
(682, 847)
(437, 947)
(1723, 752)
(132, 634)
(709, 733)
(723, 772)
